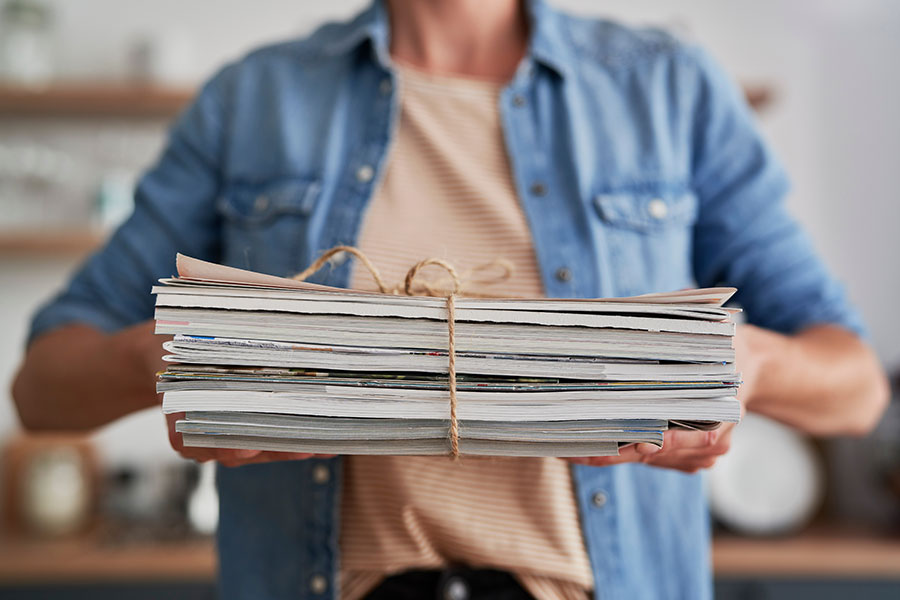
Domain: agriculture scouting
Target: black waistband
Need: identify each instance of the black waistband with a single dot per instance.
(455, 583)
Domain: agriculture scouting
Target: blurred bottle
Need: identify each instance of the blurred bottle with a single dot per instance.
(26, 43)
(50, 484)
(165, 57)
(203, 505)
(115, 199)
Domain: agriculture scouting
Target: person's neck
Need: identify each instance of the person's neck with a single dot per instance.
(477, 38)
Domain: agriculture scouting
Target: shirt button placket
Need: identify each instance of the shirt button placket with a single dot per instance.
(365, 173)
(318, 584)
(321, 474)
(564, 274)
(538, 188)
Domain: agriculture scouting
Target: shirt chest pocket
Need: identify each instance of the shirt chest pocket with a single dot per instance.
(647, 236)
(265, 226)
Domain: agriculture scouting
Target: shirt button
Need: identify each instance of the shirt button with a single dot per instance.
(455, 588)
(518, 100)
(538, 188)
(339, 259)
(599, 499)
(321, 474)
(318, 584)
(385, 86)
(261, 203)
(657, 208)
(564, 274)
(365, 174)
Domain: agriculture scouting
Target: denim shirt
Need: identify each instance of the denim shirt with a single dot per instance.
(637, 164)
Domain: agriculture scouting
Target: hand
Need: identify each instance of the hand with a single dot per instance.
(683, 450)
(145, 347)
(229, 457)
(690, 451)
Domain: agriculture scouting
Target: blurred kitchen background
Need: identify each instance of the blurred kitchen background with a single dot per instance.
(87, 88)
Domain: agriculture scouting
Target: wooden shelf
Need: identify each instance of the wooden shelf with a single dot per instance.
(42, 242)
(822, 555)
(83, 561)
(129, 100)
(94, 100)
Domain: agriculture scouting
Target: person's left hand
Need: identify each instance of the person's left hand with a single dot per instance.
(683, 450)
(687, 450)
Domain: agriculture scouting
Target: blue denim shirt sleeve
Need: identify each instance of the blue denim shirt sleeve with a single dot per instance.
(173, 212)
(745, 236)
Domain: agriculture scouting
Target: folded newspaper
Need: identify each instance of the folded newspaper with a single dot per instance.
(269, 363)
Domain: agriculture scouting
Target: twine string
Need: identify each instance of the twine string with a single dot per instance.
(409, 289)
(451, 339)
(329, 254)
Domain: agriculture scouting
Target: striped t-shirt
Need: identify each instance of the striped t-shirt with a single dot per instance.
(448, 193)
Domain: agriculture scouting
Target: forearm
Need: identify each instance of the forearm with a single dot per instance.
(78, 378)
(824, 380)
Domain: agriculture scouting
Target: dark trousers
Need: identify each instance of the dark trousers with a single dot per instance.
(450, 584)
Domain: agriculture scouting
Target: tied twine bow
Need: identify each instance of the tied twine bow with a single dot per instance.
(427, 289)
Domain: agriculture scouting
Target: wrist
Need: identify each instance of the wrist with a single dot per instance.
(759, 353)
(142, 352)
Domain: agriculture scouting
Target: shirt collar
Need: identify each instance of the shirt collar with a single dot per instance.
(548, 37)
(546, 46)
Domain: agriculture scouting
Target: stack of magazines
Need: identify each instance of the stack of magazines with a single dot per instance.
(267, 363)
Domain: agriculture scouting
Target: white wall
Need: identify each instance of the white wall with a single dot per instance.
(835, 123)
(95, 35)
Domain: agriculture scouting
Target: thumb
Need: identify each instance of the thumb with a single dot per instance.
(243, 454)
(646, 449)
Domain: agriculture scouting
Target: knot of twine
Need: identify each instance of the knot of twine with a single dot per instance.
(427, 289)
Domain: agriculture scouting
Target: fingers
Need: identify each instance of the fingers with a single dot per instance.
(626, 454)
(683, 450)
(239, 458)
(687, 464)
(236, 458)
(177, 442)
(696, 443)
(646, 449)
(175, 437)
(679, 439)
(691, 451)
(199, 454)
(228, 457)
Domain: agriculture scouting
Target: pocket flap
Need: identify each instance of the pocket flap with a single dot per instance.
(256, 203)
(646, 211)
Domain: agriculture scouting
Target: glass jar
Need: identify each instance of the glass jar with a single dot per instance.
(26, 43)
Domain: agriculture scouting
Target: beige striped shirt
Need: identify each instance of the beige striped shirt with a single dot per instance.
(448, 193)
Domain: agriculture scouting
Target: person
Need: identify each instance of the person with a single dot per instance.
(601, 160)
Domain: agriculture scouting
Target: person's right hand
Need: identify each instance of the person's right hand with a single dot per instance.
(227, 457)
